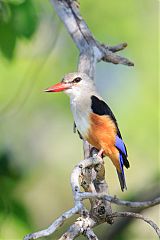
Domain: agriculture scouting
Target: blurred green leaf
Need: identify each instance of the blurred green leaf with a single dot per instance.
(16, 21)
(24, 19)
(20, 212)
(14, 1)
(7, 39)
(9, 177)
(5, 12)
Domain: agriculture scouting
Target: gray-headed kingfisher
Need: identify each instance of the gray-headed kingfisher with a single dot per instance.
(94, 119)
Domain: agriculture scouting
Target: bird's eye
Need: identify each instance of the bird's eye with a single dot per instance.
(77, 79)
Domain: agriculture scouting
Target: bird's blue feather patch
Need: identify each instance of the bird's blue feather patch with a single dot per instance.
(121, 162)
(120, 145)
(121, 175)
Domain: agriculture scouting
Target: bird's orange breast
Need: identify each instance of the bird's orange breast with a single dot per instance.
(102, 133)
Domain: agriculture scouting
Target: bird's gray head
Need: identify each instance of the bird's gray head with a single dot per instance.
(74, 84)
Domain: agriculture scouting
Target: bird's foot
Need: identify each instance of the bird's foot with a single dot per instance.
(100, 153)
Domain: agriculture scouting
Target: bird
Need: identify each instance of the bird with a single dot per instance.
(94, 120)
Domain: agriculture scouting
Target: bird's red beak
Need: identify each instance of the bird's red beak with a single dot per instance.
(59, 87)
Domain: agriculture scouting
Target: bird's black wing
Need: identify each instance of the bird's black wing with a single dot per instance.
(101, 108)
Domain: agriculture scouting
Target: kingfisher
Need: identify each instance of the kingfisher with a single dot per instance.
(94, 120)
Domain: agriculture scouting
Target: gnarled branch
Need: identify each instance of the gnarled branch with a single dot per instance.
(86, 222)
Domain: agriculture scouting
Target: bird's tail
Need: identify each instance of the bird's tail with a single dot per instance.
(121, 175)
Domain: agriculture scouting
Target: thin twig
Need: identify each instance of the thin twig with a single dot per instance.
(139, 216)
(117, 48)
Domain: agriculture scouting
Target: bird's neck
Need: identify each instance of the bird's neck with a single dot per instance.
(81, 107)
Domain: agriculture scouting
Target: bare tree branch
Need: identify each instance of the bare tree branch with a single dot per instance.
(117, 47)
(91, 235)
(84, 224)
(144, 204)
(90, 173)
(139, 216)
(151, 192)
(78, 208)
(53, 227)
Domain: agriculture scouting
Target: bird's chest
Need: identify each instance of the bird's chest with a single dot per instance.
(81, 117)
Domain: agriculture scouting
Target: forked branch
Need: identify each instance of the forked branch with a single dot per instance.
(85, 222)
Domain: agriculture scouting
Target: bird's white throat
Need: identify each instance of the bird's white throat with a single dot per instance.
(80, 108)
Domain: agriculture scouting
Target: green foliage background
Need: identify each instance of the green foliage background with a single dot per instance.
(37, 147)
